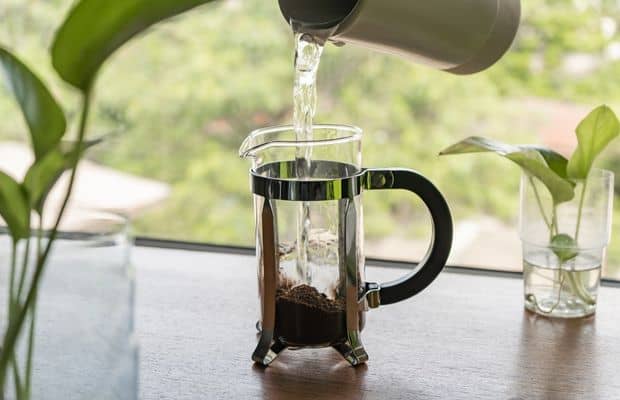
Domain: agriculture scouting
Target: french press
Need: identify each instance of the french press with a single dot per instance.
(309, 239)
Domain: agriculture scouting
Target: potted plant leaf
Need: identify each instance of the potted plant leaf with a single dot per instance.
(92, 31)
(565, 215)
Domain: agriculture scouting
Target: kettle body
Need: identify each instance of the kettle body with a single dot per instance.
(457, 36)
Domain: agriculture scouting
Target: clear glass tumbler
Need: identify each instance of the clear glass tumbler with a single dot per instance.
(84, 344)
(564, 245)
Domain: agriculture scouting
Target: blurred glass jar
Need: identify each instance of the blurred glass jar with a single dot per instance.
(84, 343)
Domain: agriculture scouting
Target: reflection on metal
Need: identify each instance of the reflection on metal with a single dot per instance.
(352, 349)
(372, 294)
(267, 350)
(279, 181)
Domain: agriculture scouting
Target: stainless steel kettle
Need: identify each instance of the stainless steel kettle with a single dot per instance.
(458, 36)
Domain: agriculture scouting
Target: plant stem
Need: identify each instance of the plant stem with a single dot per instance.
(11, 311)
(39, 236)
(22, 277)
(554, 220)
(580, 209)
(33, 315)
(574, 282)
(550, 310)
(16, 378)
(576, 286)
(15, 326)
(539, 201)
(28, 373)
(12, 278)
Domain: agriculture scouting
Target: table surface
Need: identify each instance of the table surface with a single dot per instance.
(465, 337)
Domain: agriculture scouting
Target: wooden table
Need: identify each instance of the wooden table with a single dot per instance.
(465, 337)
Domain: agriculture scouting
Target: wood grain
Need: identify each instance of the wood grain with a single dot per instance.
(466, 337)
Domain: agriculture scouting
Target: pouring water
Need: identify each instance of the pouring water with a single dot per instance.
(307, 57)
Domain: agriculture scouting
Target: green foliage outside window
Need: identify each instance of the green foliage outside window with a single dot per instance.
(181, 99)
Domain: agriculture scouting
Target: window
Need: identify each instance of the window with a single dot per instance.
(176, 104)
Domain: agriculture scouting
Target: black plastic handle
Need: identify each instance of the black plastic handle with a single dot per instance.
(441, 242)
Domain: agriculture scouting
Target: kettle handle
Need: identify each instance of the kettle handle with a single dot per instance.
(436, 256)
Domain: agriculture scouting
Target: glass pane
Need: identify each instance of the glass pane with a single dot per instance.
(177, 103)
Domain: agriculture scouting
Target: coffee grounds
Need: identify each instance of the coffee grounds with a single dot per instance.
(308, 296)
(306, 317)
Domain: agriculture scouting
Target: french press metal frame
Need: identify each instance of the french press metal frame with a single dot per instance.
(270, 182)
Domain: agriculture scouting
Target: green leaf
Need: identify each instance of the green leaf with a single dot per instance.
(44, 117)
(478, 144)
(534, 164)
(43, 174)
(14, 207)
(94, 29)
(531, 159)
(594, 132)
(564, 246)
(69, 148)
(41, 177)
(554, 160)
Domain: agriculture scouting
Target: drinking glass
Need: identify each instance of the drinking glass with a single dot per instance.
(564, 245)
(84, 343)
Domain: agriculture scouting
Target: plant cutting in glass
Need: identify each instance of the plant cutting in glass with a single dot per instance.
(92, 31)
(561, 178)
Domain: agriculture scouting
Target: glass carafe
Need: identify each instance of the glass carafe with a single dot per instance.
(309, 239)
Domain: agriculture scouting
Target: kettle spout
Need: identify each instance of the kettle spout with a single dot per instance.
(320, 18)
